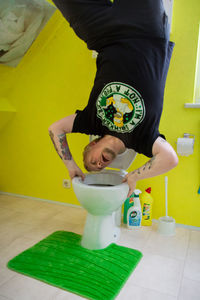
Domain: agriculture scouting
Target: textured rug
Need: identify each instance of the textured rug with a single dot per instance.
(60, 260)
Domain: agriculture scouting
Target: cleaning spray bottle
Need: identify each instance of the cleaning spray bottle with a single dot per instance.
(147, 202)
(127, 204)
(134, 214)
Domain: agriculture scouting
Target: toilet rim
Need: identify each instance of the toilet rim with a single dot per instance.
(78, 180)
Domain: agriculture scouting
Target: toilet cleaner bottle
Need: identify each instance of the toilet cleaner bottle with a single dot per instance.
(134, 215)
(147, 202)
(127, 204)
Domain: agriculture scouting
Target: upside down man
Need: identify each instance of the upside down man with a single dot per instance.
(126, 101)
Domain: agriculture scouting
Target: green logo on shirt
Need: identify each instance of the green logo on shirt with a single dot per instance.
(120, 107)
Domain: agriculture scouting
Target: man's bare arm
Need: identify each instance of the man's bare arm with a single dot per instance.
(164, 159)
(61, 144)
(57, 132)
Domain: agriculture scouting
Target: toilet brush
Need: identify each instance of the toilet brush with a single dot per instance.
(166, 225)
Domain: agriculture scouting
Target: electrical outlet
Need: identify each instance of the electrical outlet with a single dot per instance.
(66, 183)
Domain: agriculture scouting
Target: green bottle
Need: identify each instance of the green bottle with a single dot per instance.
(127, 204)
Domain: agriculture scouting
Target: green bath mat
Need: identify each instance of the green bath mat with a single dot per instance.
(60, 260)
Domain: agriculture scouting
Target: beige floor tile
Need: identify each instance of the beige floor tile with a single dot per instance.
(192, 263)
(4, 298)
(133, 292)
(71, 215)
(18, 204)
(159, 273)
(170, 246)
(24, 288)
(14, 248)
(6, 213)
(64, 295)
(192, 270)
(38, 215)
(190, 290)
(11, 231)
(5, 275)
(43, 229)
(194, 247)
(79, 229)
(134, 238)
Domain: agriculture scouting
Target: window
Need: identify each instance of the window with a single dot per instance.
(168, 4)
(196, 98)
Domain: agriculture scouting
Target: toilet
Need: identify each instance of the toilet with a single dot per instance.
(102, 195)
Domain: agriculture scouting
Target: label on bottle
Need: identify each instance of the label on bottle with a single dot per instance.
(135, 218)
(131, 199)
(146, 211)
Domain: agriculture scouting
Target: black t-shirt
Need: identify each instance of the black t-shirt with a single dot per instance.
(127, 97)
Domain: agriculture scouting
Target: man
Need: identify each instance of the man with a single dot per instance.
(125, 104)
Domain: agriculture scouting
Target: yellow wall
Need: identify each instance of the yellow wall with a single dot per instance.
(55, 78)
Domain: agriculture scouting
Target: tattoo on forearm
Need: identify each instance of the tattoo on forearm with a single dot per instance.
(52, 138)
(150, 162)
(148, 166)
(64, 146)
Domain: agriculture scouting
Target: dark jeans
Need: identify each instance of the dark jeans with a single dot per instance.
(100, 22)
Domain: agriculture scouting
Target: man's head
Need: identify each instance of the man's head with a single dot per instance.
(98, 154)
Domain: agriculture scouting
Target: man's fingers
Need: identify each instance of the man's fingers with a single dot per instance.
(82, 176)
(124, 179)
(130, 192)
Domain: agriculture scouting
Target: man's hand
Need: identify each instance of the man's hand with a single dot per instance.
(74, 170)
(131, 180)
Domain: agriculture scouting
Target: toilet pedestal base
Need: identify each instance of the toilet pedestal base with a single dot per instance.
(99, 232)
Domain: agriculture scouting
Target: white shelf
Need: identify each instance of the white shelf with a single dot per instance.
(192, 105)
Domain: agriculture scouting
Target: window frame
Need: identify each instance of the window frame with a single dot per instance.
(196, 89)
(196, 96)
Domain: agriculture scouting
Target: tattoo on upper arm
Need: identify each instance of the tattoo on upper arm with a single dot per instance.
(52, 138)
(64, 146)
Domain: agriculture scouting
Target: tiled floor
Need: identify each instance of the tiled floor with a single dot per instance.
(169, 269)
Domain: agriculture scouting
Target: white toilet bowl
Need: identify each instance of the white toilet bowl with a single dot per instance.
(102, 195)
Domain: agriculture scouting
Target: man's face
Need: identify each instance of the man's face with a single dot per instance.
(96, 158)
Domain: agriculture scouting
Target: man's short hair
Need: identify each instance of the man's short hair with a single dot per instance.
(87, 150)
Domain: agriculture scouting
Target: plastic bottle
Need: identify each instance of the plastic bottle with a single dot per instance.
(147, 202)
(134, 215)
(127, 204)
